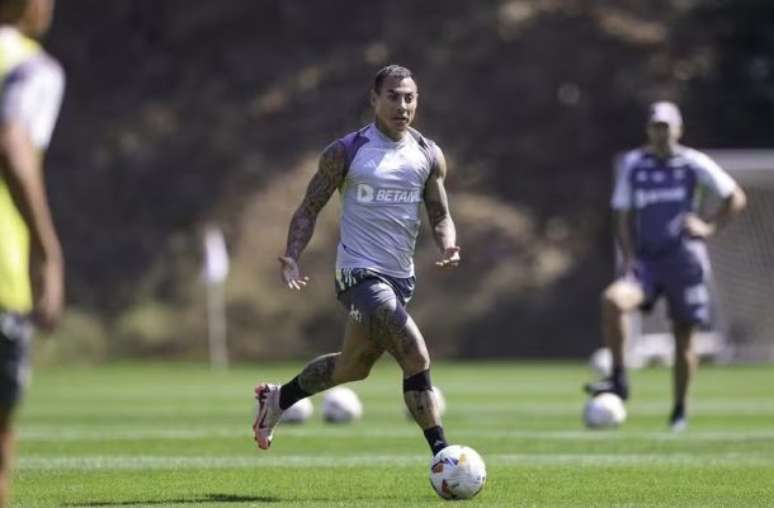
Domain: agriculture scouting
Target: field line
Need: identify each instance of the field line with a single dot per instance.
(35, 433)
(141, 462)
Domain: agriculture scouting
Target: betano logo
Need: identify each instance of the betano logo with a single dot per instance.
(368, 194)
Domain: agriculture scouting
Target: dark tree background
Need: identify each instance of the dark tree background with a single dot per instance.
(183, 111)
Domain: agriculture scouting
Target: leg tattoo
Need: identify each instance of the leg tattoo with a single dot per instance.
(423, 408)
(401, 337)
(318, 374)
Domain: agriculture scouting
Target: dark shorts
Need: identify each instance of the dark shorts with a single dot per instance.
(362, 292)
(15, 337)
(681, 277)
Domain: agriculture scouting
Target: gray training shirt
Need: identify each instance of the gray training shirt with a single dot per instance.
(381, 199)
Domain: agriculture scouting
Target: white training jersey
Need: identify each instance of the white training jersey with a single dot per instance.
(381, 199)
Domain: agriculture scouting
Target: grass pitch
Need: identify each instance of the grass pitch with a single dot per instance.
(177, 435)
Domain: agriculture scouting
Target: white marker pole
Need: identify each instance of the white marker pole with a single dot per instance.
(215, 272)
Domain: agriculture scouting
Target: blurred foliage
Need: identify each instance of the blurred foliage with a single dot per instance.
(181, 111)
(80, 338)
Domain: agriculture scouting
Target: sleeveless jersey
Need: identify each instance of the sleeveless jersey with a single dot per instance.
(31, 87)
(661, 191)
(381, 200)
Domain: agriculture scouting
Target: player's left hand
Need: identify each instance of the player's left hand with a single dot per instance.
(451, 258)
(696, 227)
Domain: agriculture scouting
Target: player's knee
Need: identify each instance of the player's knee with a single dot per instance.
(612, 302)
(353, 372)
(360, 372)
(5, 419)
(415, 362)
(683, 332)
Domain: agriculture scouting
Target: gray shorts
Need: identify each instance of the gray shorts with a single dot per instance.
(15, 337)
(362, 292)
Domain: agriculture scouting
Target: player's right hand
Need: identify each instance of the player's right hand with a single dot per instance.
(49, 295)
(696, 227)
(291, 274)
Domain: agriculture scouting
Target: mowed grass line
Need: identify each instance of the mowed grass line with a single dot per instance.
(179, 435)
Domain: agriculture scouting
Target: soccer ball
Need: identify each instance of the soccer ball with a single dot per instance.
(440, 401)
(457, 472)
(341, 405)
(601, 362)
(604, 411)
(298, 412)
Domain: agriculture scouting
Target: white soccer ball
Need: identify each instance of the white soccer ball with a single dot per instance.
(457, 472)
(601, 362)
(341, 405)
(604, 411)
(298, 412)
(440, 400)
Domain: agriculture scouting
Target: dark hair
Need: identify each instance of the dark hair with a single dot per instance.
(390, 71)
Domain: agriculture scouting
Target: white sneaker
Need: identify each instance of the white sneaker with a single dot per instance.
(679, 424)
(267, 413)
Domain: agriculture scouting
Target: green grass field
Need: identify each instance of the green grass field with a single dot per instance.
(179, 435)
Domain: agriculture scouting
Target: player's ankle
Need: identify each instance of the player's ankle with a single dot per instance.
(290, 393)
(678, 412)
(436, 439)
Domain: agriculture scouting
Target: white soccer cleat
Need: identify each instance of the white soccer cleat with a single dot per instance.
(678, 424)
(267, 413)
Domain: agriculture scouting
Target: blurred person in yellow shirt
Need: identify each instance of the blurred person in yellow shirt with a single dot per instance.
(31, 264)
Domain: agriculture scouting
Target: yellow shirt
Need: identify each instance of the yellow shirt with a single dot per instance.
(31, 86)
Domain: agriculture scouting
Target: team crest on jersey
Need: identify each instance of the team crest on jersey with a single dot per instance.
(369, 194)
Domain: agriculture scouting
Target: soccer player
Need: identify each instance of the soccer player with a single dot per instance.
(31, 265)
(661, 241)
(384, 172)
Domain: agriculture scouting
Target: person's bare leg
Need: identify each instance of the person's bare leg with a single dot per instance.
(618, 300)
(354, 362)
(683, 371)
(7, 443)
(404, 341)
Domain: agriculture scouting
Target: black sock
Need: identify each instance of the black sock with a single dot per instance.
(619, 375)
(678, 412)
(290, 393)
(436, 439)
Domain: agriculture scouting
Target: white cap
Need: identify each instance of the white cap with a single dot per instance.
(665, 112)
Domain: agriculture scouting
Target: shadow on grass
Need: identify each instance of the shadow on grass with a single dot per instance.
(209, 498)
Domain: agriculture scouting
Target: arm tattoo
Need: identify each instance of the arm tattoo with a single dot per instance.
(437, 204)
(444, 231)
(318, 374)
(329, 177)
